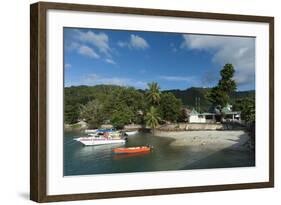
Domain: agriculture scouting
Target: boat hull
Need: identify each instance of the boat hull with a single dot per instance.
(94, 142)
(132, 150)
(129, 133)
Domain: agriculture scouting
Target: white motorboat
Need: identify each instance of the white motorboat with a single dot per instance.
(99, 130)
(91, 131)
(129, 133)
(102, 133)
(99, 140)
(92, 134)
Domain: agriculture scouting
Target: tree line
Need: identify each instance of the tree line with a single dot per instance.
(120, 105)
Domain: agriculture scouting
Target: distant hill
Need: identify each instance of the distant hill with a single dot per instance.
(189, 96)
(83, 94)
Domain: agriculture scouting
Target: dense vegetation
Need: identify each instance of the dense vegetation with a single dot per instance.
(189, 96)
(247, 108)
(124, 105)
(219, 95)
(118, 105)
(78, 96)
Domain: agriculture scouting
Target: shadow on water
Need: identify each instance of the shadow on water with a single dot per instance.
(240, 153)
(129, 155)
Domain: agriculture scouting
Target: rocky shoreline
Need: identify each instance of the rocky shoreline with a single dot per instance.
(173, 127)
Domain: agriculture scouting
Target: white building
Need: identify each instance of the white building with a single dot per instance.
(195, 117)
(229, 115)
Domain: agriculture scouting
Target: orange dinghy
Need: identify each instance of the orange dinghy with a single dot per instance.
(127, 150)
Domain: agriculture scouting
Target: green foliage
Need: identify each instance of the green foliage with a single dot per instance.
(170, 107)
(123, 106)
(152, 117)
(75, 96)
(92, 112)
(114, 104)
(110, 100)
(188, 97)
(219, 95)
(247, 108)
(153, 93)
(226, 83)
(123, 116)
(71, 113)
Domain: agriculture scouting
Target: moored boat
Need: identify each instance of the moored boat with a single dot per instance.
(99, 140)
(91, 131)
(129, 133)
(129, 150)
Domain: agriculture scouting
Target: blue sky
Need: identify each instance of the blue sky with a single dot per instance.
(175, 61)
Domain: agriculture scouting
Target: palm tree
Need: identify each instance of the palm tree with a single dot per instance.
(153, 93)
(152, 118)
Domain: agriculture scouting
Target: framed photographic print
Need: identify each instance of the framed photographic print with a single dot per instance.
(135, 102)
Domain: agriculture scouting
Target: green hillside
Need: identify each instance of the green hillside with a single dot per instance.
(190, 95)
(76, 96)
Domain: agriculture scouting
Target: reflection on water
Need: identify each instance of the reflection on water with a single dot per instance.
(82, 160)
(129, 155)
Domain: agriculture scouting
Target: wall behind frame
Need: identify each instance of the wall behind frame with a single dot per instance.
(14, 103)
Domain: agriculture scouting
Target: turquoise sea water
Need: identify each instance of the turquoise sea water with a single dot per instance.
(87, 160)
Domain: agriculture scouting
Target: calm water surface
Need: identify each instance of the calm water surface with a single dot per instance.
(85, 160)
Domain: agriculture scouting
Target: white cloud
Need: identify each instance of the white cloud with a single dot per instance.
(67, 65)
(135, 42)
(99, 40)
(122, 44)
(70, 46)
(94, 79)
(188, 79)
(239, 51)
(138, 42)
(91, 44)
(87, 51)
(110, 61)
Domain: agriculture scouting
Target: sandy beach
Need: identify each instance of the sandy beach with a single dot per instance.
(214, 140)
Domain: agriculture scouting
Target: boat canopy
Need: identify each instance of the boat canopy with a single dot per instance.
(106, 130)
